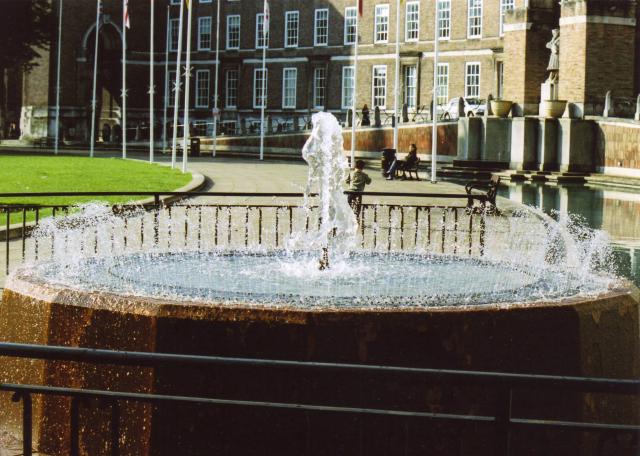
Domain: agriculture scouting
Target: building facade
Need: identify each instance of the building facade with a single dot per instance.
(486, 47)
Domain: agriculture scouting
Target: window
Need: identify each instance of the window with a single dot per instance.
(205, 1)
(444, 19)
(472, 80)
(204, 33)
(500, 79)
(410, 86)
(202, 88)
(382, 24)
(260, 86)
(289, 81)
(412, 21)
(291, 22)
(321, 28)
(174, 28)
(231, 86)
(348, 76)
(505, 5)
(350, 20)
(319, 87)
(474, 29)
(171, 93)
(262, 35)
(379, 86)
(233, 32)
(442, 82)
(200, 127)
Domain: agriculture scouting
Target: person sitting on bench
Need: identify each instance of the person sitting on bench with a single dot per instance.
(410, 161)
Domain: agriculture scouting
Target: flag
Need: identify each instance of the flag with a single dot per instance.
(266, 16)
(127, 24)
(188, 2)
(360, 7)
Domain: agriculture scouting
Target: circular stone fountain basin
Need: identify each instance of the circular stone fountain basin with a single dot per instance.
(591, 335)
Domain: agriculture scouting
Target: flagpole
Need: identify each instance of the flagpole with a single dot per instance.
(263, 101)
(95, 77)
(124, 79)
(57, 133)
(176, 88)
(355, 85)
(187, 80)
(151, 88)
(167, 84)
(434, 112)
(397, 83)
(215, 90)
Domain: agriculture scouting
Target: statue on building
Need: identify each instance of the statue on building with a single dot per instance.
(554, 59)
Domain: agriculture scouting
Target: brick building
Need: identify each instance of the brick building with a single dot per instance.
(486, 47)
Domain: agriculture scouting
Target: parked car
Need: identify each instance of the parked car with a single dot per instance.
(472, 107)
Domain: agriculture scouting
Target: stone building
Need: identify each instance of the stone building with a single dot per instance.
(486, 47)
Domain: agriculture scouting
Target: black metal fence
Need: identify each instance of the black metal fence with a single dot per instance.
(237, 220)
(502, 418)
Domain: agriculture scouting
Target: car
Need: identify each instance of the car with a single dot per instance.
(472, 107)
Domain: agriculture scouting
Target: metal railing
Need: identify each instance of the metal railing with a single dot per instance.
(266, 220)
(506, 384)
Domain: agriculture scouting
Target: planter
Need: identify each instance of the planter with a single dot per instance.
(552, 108)
(501, 108)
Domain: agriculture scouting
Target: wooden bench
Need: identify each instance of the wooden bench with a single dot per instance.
(489, 204)
(410, 169)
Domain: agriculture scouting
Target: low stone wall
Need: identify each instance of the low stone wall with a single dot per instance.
(618, 147)
(368, 141)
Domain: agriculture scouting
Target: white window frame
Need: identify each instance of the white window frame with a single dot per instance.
(467, 76)
(412, 22)
(444, 20)
(350, 19)
(474, 18)
(410, 97)
(205, 89)
(256, 103)
(233, 39)
(201, 32)
(347, 104)
(505, 5)
(173, 41)
(289, 101)
(319, 87)
(231, 88)
(316, 27)
(259, 36)
(442, 84)
(381, 24)
(378, 91)
(291, 41)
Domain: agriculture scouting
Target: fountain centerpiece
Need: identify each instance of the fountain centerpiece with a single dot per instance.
(531, 299)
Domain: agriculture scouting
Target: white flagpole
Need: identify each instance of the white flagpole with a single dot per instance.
(263, 103)
(176, 98)
(397, 83)
(355, 85)
(434, 108)
(167, 86)
(187, 80)
(124, 79)
(95, 77)
(151, 88)
(215, 90)
(57, 133)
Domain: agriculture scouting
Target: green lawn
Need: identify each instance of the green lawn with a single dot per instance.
(27, 174)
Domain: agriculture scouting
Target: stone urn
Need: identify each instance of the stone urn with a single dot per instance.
(501, 108)
(552, 108)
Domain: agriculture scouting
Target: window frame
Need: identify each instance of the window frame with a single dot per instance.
(378, 24)
(474, 22)
(228, 36)
(287, 14)
(171, 94)
(265, 36)
(353, 89)
(322, 88)
(231, 90)
(466, 79)
(294, 71)
(200, 32)
(442, 75)
(173, 44)
(198, 97)
(407, 39)
(505, 5)
(444, 17)
(348, 19)
(374, 68)
(315, 27)
(255, 87)
(414, 95)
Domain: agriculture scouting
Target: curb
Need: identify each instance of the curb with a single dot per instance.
(197, 182)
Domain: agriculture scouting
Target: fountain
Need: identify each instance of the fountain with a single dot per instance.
(532, 299)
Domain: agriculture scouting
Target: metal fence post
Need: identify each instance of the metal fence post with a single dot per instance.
(27, 424)
(503, 421)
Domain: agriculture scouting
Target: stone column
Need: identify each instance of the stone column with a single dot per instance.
(597, 49)
(526, 32)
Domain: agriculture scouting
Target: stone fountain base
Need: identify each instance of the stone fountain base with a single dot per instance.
(582, 336)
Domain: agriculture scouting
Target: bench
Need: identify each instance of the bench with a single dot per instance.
(489, 204)
(410, 169)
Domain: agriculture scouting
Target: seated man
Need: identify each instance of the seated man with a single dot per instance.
(410, 160)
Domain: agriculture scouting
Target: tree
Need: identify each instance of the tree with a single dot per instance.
(26, 27)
